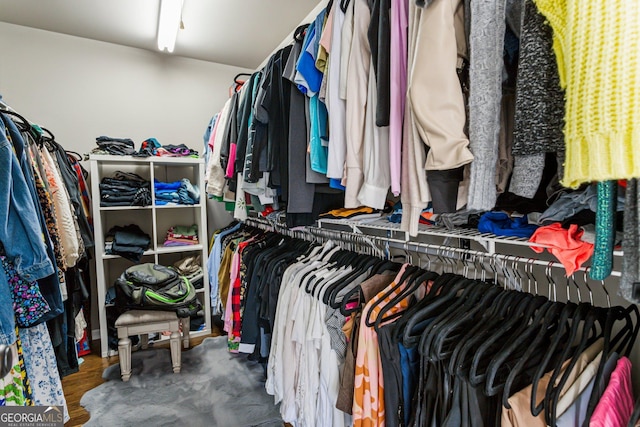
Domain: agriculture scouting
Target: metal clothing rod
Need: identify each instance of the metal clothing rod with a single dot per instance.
(448, 251)
(382, 244)
(351, 241)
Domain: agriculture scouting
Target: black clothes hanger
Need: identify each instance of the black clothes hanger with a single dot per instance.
(430, 307)
(48, 132)
(465, 343)
(356, 296)
(75, 155)
(552, 395)
(622, 343)
(361, 264)
(343, 257)
(629, 332)
(439, 288)
(414, 281)
(517, 353)
(408, 272)
(418, 279)
(344, 4)
(408, 276)
(573, 312)
(506, 329)
(456, 325)
(462, 353)
(23, 124)
(237, 80)
(385, 265)
(298, 34)
(329, 6)
(474, 299)
(582, 322)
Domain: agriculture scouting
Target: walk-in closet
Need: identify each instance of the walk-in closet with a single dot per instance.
(320, 213)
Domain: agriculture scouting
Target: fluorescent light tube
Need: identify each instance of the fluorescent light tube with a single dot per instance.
(168, 24)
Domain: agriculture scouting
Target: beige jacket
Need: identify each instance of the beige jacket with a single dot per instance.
(435, 106)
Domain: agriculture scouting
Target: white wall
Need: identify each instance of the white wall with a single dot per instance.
(80, 89)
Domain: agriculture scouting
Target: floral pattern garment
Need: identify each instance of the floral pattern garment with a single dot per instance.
(15, 387)
(26, 377)
(64, 217)
(28, 303)
(40, 361)
(46, 203)
(11, 387)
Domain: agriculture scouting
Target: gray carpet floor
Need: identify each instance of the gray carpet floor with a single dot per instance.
(214, 388)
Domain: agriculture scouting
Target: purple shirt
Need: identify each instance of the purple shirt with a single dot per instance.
(398, 77)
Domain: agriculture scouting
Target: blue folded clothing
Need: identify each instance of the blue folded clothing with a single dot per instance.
(181, 192)
(501, 224)
(159, 185)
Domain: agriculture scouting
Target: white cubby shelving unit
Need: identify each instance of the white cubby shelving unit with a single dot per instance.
(154, 220)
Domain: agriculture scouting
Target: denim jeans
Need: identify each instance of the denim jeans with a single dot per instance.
(124, 190)
(20, 233)
(192, 190)
(50, 285)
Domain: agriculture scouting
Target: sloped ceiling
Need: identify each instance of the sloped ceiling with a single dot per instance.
(234, 32)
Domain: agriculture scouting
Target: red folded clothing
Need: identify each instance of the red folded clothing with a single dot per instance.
(564, 244)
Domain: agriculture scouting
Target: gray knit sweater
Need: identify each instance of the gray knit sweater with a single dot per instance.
(486, 45)
(539, 116)
(630, 280)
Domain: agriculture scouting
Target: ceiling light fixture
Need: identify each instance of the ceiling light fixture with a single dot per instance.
(169, 23)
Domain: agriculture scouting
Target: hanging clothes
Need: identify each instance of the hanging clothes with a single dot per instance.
(350, 339)
(600, 126)
(43, 272)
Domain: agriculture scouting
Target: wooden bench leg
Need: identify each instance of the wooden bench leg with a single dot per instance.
(176, 354)
(144, 341)
(124, 354)
(186, 325)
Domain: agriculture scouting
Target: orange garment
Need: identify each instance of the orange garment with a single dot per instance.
(564, 244)
(368, 398)
(344, 213)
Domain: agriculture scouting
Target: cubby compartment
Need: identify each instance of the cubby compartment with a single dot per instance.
(183, 221)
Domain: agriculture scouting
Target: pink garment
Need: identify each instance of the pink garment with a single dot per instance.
(212, 135)
(230, 173)
(325, 38)
(564, 244)
(399, 24)
(616, 404)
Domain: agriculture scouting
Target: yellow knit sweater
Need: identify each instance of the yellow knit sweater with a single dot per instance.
(597, 45)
